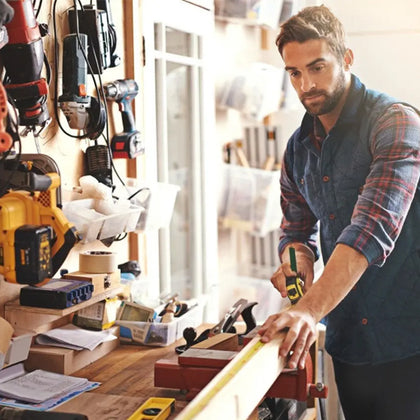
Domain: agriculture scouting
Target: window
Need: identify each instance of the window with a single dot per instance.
(180, 144)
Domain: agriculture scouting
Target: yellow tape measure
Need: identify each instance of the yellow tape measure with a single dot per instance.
(191, 411)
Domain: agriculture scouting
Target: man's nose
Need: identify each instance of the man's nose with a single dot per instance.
(307, 83)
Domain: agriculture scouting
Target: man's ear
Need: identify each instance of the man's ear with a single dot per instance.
(348, 59)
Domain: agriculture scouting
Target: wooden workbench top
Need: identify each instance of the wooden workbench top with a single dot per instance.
(126, 375)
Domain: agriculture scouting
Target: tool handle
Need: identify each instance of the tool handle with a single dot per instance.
(292, 256)
(293, 284)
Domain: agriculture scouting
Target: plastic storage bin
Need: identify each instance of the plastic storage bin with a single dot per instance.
(157, 200)
(92, 225)
(250, 199)
(159, 334)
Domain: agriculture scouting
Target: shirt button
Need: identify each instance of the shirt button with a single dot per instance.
(332, 216)
(325, 178)
(364, 321)
(301, 181)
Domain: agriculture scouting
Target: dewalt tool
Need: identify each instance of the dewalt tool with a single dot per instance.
(35, 236)
(293, 284)
(129, 143)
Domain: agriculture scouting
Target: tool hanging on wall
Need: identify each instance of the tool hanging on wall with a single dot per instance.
(83, 112)
(23, 57)
(127, 144)
(105, 5)
(94, 23)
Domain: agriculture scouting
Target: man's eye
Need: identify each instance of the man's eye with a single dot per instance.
(293, 73)
(317, 69)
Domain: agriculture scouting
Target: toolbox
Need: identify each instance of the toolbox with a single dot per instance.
(56, 294)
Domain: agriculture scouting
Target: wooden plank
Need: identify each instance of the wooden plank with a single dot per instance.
(309, 414)
(228, 395)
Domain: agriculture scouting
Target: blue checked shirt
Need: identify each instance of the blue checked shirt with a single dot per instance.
(360, 185)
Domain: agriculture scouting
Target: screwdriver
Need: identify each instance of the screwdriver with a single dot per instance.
(293, 284)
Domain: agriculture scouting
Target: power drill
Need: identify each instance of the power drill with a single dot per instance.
(127, 144)
(23, 58)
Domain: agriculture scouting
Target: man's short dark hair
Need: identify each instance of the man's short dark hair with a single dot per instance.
(315, 22)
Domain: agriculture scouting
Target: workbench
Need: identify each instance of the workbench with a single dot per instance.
(127, 381)
(126, 377)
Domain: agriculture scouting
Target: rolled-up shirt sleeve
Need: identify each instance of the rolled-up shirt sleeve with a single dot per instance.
(390, 187)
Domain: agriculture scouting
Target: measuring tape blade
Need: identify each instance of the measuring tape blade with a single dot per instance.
(232, 378)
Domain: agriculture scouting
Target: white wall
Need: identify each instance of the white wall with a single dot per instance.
(385, 37)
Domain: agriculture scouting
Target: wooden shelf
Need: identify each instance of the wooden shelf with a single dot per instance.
(14, 305)
(31, 319)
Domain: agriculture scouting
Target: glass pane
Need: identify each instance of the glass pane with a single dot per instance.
(178, 42)
(179, 169)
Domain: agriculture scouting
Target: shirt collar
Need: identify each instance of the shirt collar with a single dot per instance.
(349, 113)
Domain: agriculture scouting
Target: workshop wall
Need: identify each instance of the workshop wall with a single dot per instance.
(65, 150)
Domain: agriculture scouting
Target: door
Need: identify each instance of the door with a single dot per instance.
(180, 145)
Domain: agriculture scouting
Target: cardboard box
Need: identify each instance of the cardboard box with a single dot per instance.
(101, 281)
(159, 334)
(99, 316)
(67, 361)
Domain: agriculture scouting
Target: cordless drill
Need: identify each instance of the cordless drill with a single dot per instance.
(23, 58)
(127, 144)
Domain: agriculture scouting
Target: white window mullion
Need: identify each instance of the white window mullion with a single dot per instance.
(162, 150)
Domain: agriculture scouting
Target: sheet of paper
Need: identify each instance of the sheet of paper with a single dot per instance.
(39, 386)
(79, 337)
(52, 402)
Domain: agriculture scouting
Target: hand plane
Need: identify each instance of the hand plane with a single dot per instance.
(241, 308)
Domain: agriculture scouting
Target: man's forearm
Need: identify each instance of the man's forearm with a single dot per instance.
(341, 273)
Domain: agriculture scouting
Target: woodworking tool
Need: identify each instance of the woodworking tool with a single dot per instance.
(240, 308)
(293, 283)
(154, 409)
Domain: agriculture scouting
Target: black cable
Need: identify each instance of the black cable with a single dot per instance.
(101, 122)
(13, 126)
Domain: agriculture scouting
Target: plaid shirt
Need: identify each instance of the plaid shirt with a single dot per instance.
(360, 185)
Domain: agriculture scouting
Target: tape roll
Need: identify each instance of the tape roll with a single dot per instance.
(97, 262)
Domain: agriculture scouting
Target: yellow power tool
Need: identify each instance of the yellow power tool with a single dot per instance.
(35, 235)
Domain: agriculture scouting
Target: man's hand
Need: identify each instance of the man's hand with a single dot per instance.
(301, 333)
(305, 264)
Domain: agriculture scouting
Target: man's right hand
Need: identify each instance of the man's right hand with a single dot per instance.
(305, 265)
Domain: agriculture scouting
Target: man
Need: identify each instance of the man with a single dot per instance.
(353, 166)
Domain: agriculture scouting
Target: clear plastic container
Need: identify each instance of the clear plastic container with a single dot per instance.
(250, 199)
(158, 201)
(92, 225)
(159, 334)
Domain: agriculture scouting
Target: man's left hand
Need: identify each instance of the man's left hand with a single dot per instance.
(301, 333)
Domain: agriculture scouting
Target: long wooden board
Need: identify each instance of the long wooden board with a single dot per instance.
(235, 392)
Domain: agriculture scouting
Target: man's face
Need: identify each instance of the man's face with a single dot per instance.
(316, 74)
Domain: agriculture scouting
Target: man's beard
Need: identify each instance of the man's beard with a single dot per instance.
(330, 101)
